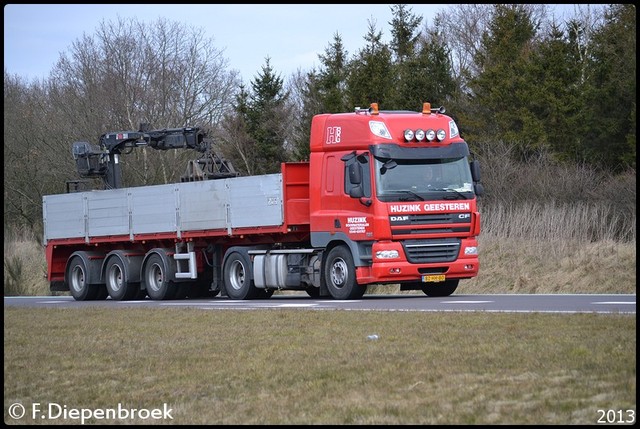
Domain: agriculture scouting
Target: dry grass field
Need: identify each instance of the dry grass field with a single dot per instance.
(318, 367)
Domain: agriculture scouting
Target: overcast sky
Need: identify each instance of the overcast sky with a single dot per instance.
(291, 35)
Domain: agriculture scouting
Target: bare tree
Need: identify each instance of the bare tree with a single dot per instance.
(165, 74)
(33, 164)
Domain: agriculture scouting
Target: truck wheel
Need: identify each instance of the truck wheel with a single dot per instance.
(118, 286)
(77, 276)
(340, 275)
(238, 278)
(157, 280)
(440, 289)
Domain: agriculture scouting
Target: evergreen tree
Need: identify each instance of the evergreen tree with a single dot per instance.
(403, 32)
(610, 95)
(502, 92)
(370, 72)
(556, 68)
(267, 119)
(238, 146)
(332, 77)
(425, 77)
(406, 68)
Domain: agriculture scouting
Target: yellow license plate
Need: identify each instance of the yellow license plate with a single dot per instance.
(433, 278)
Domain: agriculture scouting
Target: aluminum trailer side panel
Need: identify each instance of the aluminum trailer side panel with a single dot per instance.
(107, 213)
(254, 201)
(63, 216)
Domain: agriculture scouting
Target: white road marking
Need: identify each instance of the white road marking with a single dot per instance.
(614, 302)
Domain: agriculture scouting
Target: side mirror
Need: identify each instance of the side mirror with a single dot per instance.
(478, 189)
(356, 191)
(475, 170)
(355, 174)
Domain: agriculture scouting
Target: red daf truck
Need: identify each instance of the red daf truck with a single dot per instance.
(387, 197)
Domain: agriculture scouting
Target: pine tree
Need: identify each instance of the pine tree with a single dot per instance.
(266, 119)
(404, 34)
(502, 91)
(370, 72)
(332, 77)
(555, 67)
(425, 77)
(610, 95)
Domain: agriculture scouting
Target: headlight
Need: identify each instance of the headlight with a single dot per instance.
(430, 135)
(441, 135)
(471, 250)
(408, 135)
(387, 254)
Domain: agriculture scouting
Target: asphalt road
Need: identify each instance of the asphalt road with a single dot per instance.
(510, 303)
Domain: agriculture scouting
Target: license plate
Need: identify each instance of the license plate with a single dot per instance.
(433, 278)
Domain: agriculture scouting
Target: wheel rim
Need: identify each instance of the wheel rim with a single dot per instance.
(339, 272)
(77, 278)
(236, 275)
(115, 278)
(155, 277)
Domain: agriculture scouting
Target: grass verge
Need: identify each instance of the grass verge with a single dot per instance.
(318, 367)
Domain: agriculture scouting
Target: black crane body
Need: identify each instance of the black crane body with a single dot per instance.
(103, 160)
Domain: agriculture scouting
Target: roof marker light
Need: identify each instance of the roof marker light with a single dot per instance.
(426, 108)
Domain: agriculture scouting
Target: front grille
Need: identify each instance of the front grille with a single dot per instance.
(431, 251)
(446, 223)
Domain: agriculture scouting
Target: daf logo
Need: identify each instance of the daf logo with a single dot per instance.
(399, 218)
(464, 216)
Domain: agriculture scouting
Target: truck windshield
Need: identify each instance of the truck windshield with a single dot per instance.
(423, 179)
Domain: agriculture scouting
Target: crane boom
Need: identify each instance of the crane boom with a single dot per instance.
(102, 160)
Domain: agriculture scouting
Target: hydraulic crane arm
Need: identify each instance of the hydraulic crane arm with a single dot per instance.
(103, 160)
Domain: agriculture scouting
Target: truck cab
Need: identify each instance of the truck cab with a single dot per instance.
(399, 191)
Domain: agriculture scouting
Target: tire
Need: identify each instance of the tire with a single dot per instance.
(238, 277)
(340, 275)
(118, 287)
(157, 279)
(440, 289)
(77, 277)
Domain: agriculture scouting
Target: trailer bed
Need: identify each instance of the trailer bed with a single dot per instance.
(224, 204)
